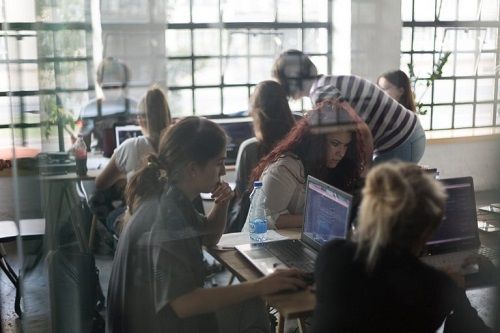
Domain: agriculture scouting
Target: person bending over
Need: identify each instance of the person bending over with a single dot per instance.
(397, 132)
(331, 143)
(377, 283)
(156, 282)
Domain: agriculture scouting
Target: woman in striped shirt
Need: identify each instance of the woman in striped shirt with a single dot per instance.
(397, 132)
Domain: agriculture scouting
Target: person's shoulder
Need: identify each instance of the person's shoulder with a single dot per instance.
(251, 143)
(288, 162)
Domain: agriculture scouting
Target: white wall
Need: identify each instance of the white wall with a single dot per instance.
(375, 40)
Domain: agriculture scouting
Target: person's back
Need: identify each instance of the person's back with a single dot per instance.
(401, 294)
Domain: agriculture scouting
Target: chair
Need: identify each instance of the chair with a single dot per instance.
(29, 229)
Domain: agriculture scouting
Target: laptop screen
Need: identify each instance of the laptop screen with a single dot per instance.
(459, 225)
(123, 133)
(326, 213)
(238, 130)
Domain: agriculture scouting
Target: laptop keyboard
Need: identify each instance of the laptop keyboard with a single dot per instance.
(293, 254)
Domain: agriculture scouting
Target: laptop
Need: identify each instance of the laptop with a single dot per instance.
(326, 217)
(125, 132)
(457, 237)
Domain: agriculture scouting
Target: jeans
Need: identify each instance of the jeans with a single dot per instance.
(411, 150)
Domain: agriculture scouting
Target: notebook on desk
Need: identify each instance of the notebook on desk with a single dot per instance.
(326, 216)
(457, 236)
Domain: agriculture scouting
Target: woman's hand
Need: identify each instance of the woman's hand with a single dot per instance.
(281, 280)
(222, 193)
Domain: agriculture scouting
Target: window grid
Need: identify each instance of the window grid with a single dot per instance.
(436, 51)
(249, 29)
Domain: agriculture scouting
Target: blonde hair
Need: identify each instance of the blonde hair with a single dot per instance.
(154, 107)
(401, 205)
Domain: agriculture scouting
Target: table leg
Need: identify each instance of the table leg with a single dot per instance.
(281, 324)
(302, 325)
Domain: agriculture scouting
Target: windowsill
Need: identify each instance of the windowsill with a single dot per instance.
(462, 135)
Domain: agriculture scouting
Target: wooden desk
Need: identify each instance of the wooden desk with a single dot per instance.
(290, 305)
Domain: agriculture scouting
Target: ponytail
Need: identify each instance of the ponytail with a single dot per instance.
(157, 114)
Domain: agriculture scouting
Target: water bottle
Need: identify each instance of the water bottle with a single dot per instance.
(257, 213)
(80, 153)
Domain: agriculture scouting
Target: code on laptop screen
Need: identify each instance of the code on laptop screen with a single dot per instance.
(459, 221)
(327, 213)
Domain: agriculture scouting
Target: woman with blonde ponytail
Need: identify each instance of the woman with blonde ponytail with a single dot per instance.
(376, 283)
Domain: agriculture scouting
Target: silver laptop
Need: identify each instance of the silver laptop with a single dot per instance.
(123, 133)
(457, 237)
(326, 217)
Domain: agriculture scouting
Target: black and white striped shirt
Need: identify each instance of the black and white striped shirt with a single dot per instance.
(390, 123)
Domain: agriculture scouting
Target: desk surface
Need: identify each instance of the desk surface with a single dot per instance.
(289, 304)
(91, 175)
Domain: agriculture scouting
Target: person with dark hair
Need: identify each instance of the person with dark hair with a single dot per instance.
(331, 143)
(156, 282)
(397, 132)
(272, 120)
(100, 115)
(377, 282)
(397, 85)
(153, 117)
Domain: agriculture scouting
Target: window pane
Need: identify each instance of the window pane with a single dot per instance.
(5, 138)
(296, 105)
(424, 10)
(235, 100)
(70, 43)
(178, 12)
(32, 109)
(264, 43)
(205, 11)
(484, 114)
(422, 65)
(448, 10)
(486, 64)
(46, 43)
(47, 76)
(23, 76)
(465, 64)
(179, 73)
(248, 11)
(72, 75)
(467, 9)
(498, 114)
(24, 47)
(180, 102)
(443, 91)
(206, 42)
(5, 109)
(289, 10)
(73, 102)
(234, 42)
(464, 91)
(425, 119)
(260, 69)
(463, 115)
(178, 42)
(441, 117)
(207, 71)
(485, 89)
(470, 40)
(315, 41)
(236, 70)
(422, 92)
(291, 39)
(19, 10)
(406, 10)
(424, 39)
(406, 39)
(207, 101)
(489, 10)
(4, 84)
(321, 63)
(490, 40)
(315, 11)
(448, 67)
(405, 60)
(445, 39)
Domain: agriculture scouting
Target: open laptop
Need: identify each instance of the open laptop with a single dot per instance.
(326, 216)
(123, 133)
(457, 237)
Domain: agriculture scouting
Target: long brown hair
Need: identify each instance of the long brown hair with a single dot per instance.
(271, 113)
(399, 79)
(154, 107)
(191, 139)
(310, 147)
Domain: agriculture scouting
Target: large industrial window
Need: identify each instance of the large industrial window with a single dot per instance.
(218, 50)
(46, 66)
(466, 33)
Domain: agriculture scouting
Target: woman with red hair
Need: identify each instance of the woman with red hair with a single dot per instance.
(331, 143)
